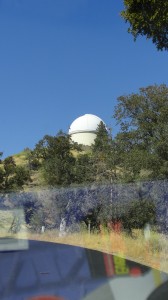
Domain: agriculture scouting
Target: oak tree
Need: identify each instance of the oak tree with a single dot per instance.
(143, 139)
(148, 18)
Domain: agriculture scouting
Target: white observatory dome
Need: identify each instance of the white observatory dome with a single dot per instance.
(83, 129)
(86, 122)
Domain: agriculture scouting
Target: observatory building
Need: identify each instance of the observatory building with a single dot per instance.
(83, 129)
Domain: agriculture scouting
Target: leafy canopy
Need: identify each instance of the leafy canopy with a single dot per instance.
(57, 160)
(13, 177)
(143, 139)
(101, 142)
(148, 18)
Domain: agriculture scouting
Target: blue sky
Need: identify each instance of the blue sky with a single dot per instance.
(60, 59)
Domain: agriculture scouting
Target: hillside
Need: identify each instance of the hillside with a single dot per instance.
(22, 159)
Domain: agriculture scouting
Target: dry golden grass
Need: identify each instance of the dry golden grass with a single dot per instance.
(37, 180)
(153, 253)
(20, 158)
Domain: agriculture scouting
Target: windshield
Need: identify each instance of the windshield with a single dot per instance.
(83, 152)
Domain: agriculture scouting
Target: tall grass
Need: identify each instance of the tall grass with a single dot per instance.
(153, 253)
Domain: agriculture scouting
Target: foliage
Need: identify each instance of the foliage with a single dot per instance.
(84, 169)
(58, 171)
(9, 169)
(33, 161)
(132, 205)
(37, 220)
(9, 166)
(139, 213)
(101, 142)
(92, 220)
(13, 177)
(1, 179)
(103, 155)
(57, 159)
(1, 153)
(60, 167)
(21, 177)
(148, 18)
(29, 209)
(142, 141)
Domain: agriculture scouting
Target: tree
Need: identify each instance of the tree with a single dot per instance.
(131, 158)
(148, 18)
(84, 169)
(103, 154)
(12, 177)
(57, 171)
(139, 213)
(1, 179)
(57, 159)
(33, 161)
(143, 139)
(1, 153)
(20, 178)
(9, 169)
(101, 142)
(1, 173)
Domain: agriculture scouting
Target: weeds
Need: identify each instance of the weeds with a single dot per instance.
(153, 253)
